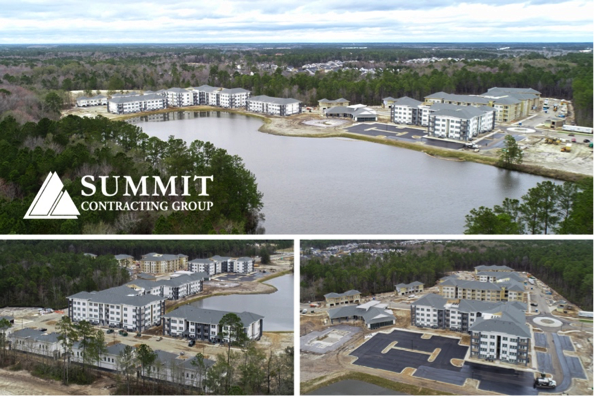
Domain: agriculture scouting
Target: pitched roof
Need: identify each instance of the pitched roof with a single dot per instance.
(371, 312)
(493, 268)
(234, 90)
(346, 293)
(458, 98)
(432, 300)
(211, 316)
(269, 99)
(161, 257)
(406, 101)
(35, 335)
(339, 100)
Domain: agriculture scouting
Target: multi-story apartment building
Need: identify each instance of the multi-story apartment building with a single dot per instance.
(274, 106)
(459, 122)
(97, 100)
(373, 313)
(121, 307)
(174, 368)
(135, 103)
(348, 297)
(242, 265)
(406, 111)
(493, 268)
(206, 95)
(326, 104)
(156, 263)
(483, 291)
(107, 360)
(203, 324)
(495, 277)
(218, 265)
(498, 330)
(174, 288)
(35, 341)
(403, 289)
(233, 98)
(179, 97)
(202, 265)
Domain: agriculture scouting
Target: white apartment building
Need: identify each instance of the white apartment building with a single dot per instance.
(242, 265)
(157, 263)
(203, 324)
(178, 97)
(135, 103)
(174, 288)
(274, 106)
(202, 265)
(406, 110)
(206, 95)
(460, 122)
(35, 341)
(120, 307)
(97, 100)
(233, 98)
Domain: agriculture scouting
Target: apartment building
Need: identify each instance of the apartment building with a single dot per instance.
(326, 104)
(221, 263)
(436, 311)
(273, 106)
(124, 260)
(35, 341)
(388, 102)
(174, 288)
(135, 103)
(404, 289)
(121, 307)
(157, 263)
(97, 100)
(242, 265)
(179, 97)
(202, 265)
(373, 313)
(178, 369)
(512, 103)
(357, 113)
(233, 98)
(483, 291)
(459, 122)
(348, 297)
(501, 335)
(203, 324)
(107, 360)
(405, 111)
(494, 277)
(493, 268)
(206, 95)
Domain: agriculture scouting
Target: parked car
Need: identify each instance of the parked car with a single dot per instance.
(586, 140)
(191, 343)
(534, 304)
(43, 329)
(109, 331)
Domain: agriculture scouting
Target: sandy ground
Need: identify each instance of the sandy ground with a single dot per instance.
(23, 383)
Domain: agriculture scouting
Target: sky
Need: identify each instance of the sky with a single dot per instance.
(282, 21)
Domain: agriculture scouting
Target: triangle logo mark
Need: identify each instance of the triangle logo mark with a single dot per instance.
(52, 201)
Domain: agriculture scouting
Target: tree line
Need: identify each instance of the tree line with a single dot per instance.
(547, 208)
(52, 74)
(566, 266)
(74, 147)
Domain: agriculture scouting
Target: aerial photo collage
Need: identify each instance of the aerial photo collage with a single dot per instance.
(296, 198)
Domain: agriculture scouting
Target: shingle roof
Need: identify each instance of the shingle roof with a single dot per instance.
(36, 335)
(161, 257)
(234, 90)
(458, 98)
(492, 268)
(269, 99)
(340, 100)
(211, 316)
(370, 314)
(432, 300)
(406, 101)
(137, 98)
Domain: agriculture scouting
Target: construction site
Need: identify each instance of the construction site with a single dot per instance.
(438, 360)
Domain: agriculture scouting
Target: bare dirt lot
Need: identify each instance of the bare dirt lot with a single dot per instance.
(23, 383)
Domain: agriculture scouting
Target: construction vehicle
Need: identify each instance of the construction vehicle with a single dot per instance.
(545, 383)
(566, 149)
(555, 108)
(552, 141)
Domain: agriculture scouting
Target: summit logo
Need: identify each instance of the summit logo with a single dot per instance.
(52, 201)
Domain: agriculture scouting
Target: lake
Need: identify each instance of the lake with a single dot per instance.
(277, 308)
(344, 186)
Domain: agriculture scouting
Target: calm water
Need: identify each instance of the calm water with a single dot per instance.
(277, 308)
(342, 186)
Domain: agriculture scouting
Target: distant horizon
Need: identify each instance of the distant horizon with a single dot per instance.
(302, 43)
(43, 22)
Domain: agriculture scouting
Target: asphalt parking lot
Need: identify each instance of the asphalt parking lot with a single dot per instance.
(390, 131)
(545, 363)
(492, 378)
(540, 340)
(566, 343)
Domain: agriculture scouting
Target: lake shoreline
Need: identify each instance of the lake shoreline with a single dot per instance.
(290, 127)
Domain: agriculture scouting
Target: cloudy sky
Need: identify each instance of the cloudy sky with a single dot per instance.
(245, 21)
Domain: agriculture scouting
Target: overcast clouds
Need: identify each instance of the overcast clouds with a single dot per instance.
(238, 21)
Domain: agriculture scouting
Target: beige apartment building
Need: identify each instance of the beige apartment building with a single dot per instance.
(157, 263)
(348, 297)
